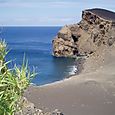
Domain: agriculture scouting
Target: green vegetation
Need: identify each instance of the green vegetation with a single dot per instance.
(13, 82)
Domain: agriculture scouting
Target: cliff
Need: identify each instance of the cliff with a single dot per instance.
(95, 30)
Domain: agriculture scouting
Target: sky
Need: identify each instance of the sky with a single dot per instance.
(47, 12)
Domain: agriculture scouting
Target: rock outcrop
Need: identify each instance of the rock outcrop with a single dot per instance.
(28, 108)
(96, 29)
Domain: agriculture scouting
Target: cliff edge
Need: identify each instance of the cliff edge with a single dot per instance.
(95, 30)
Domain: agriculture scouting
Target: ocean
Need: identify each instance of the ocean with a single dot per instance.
(36, 44)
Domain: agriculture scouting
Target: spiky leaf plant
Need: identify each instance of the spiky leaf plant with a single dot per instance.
(13, 82)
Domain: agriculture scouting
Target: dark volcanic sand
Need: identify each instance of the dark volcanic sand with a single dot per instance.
(90, 93)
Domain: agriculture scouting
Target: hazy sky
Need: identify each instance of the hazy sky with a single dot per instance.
(47, 12)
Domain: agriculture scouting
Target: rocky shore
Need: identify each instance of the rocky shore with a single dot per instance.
(92, 92)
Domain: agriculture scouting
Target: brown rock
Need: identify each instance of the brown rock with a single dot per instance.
(94, 30)
(65, 33)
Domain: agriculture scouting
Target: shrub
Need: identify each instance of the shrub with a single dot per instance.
(13, 82)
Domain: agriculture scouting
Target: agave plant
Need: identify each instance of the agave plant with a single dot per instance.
(13, 82)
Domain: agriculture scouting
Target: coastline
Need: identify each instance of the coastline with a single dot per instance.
(92, 90)
(89, 93)
(79, 64)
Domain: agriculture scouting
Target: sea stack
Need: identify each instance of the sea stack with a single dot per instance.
(96, 29)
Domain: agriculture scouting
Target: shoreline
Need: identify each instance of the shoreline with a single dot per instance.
(79, 64)
(89, 93)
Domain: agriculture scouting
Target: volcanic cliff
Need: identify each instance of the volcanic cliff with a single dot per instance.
(96, 29)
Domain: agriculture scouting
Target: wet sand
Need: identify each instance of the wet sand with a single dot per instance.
(90, 93)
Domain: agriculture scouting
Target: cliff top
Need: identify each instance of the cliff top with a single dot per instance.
(105, 14)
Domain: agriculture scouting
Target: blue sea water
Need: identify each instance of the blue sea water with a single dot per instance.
(36, 44)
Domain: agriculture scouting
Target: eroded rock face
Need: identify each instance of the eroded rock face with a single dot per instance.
(63, 44)
(85, 37)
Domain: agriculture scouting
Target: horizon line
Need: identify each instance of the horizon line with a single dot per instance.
(32, 25)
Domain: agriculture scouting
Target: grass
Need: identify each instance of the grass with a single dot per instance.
(13, 82)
